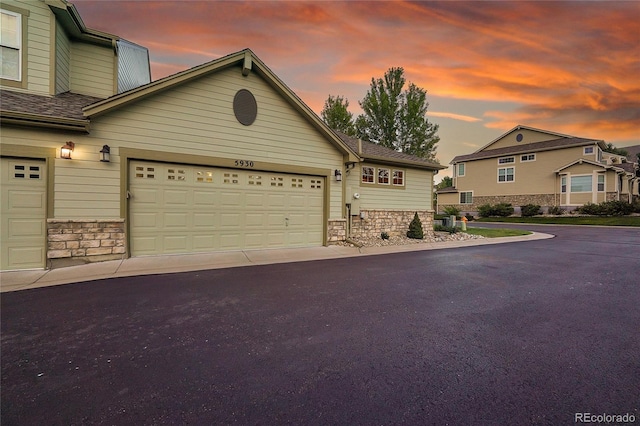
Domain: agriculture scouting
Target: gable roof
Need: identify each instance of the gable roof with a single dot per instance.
(565, 142)
(63, 111)
(521, 127)
(617, 167)
(244, 59)
(632, 152)
(374, 152)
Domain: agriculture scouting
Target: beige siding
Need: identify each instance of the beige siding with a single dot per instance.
(63, 58)
(528, 136)
(531, 177)
(416, 193)
(92, 70)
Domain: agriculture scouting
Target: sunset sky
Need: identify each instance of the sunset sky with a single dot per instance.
(569, 67)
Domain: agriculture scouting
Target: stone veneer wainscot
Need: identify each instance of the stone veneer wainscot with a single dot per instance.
(393, 222)
(86, 240)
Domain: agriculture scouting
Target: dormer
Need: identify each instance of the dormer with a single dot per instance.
(47, 50)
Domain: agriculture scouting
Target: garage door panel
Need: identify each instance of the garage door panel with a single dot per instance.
(23, 205)
(179, 208)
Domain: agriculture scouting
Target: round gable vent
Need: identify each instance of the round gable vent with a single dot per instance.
(245, 107)
(519, 137)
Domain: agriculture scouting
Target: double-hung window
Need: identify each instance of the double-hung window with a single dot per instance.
(461, 169)
(506, 174)
(601, 183)
(11, 45)
(563, 184)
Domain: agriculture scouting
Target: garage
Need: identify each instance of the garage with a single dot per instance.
(24, 207)
(177, 208)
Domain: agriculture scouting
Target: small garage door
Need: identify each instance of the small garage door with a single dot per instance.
(185, 209)
(24, 208)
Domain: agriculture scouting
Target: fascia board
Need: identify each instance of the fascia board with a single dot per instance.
(31, 120)
(403, 163)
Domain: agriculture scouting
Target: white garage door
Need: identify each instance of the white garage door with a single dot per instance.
(185, 209)
(24, 207)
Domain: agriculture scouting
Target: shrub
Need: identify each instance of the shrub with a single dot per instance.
(529, 210)
(384, 236)
(449, 229)
(452, 211)
(636, 205)
(606, 208)
(556, 210)
(501, 209)
(415, 228)
(469, 217)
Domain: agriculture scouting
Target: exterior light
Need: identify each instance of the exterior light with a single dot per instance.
(66, 150)
(338, 175)
(105, 154)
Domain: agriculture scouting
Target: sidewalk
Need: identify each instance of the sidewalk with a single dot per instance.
(21, 280)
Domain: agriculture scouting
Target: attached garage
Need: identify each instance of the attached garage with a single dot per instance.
(178, 208)
(24, 206)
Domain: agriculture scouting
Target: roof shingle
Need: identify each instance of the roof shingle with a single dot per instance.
(65, 105)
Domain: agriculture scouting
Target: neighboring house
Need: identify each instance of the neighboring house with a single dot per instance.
(532, 166)
(100, 163)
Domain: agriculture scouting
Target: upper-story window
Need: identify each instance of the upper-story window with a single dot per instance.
(11, 45)
(588, 150)
(506, 160)
(507, 174)
(527, 157)
(398, 177)
(383, 176)
(461, 169)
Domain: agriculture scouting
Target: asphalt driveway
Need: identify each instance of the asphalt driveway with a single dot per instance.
(522, 333)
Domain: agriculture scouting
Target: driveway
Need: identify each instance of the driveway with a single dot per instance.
(522, 333)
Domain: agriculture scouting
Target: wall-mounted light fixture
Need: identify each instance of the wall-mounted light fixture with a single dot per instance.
(66, 150)
(105, 154)
(338, 174)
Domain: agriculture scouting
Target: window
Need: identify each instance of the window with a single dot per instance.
(588, 150)
(527, 157)
(367, 174)
(506, 160)
(383, 176)
(600, 183)
(466, 197)
(11, 45)
(398, 177)
(563, 184)
(581, 183)
(506, 174)
(461, 168)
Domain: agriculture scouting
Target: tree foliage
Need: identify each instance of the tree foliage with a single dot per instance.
(446, 182)
(392, 117)
(613, 150)
(337, 116)
(396, 118)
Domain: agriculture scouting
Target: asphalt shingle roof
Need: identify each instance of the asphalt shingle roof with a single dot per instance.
(64, 105)
(529, 147)
(374, 150)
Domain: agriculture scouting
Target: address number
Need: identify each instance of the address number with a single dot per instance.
(244, 163)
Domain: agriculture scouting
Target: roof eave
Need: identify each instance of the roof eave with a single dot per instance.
(36, 120)
(401, 162)
(68, 16)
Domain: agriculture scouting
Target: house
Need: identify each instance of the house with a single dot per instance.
(99, 162)
(533, 166)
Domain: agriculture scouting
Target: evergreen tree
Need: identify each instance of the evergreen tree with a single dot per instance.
(415, 228)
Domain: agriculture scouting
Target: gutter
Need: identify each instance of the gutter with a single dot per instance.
(34, 120)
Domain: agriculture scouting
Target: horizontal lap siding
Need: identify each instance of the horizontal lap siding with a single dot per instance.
(197, 118)
(92, 70)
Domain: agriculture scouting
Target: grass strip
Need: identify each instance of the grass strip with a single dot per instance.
(562, 220)
(496, 232)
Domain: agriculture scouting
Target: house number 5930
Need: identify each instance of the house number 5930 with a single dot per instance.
(244, 163)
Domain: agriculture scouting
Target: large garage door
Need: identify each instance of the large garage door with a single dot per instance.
(23, 215)
(184, 209)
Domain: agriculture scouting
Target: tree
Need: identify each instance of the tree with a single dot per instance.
(613, 150)
(397, 119)
(446, 182)
(337, 116)
(415, 228)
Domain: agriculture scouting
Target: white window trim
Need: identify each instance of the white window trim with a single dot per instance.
(584, 150)
(404, 174)
(380, 169)
(527, 160)
(512, 158)
(563, 177)
(374, 175)
(580, 192)
(19, 47)
(506, 174)
(465, 192)
(604, 182)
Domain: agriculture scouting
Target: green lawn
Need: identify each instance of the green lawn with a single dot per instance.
(496, 232)
(570, 220)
